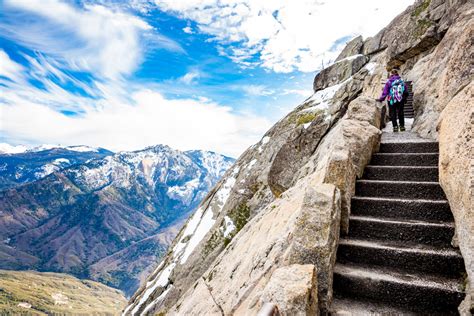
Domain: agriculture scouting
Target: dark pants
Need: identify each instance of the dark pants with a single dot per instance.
(396, 110)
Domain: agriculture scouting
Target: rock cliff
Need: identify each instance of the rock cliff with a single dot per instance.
(285, 201)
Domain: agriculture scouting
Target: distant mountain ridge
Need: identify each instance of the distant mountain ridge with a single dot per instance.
(107, 218)
(17, 168)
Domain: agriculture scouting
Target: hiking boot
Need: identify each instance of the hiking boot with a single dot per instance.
(402, 128)
(395, 129)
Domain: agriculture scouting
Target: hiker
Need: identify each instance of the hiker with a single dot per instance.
(396, 92)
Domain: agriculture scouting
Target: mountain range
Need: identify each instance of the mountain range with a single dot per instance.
(96, 214)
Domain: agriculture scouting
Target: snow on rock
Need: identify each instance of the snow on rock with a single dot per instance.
(203, 228)
(156, 301)
(371, 67)
(229, 226)
(251, 164)
(61, 161)
(184, 192)
(161, 280)
(320, 100)
(82, 148)
(46, 170)
(224, 192)
(264, 141)
(215, 164)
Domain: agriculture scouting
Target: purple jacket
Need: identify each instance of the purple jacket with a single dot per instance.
(388, 85)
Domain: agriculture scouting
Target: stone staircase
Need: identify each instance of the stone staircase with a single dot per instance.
(397, 258)
(408, 108)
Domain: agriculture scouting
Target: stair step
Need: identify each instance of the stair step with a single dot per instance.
(400, 189)
(401, 173)
(415, 209)
(422, 292)
(405, 159)
(413, 258)
(344, 306)
(385, 229)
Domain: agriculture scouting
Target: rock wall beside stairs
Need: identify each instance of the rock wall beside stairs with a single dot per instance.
(456, 167)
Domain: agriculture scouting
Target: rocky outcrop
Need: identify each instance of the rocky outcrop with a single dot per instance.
(353, 47)
(287, 198)
(338, 72)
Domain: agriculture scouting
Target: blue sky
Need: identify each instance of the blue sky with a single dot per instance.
(208, 74)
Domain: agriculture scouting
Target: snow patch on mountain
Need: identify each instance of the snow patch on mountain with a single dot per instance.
(224, 191)
(9, 149)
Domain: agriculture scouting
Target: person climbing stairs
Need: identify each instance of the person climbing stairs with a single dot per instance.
(397, 257)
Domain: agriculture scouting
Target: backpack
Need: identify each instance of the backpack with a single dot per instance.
(397, 92)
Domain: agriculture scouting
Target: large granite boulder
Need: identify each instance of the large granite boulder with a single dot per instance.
(353, 47)
(294, 290)
(339, 71)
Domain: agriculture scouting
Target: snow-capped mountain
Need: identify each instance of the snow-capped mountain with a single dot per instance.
(108, 218)
(20, 164)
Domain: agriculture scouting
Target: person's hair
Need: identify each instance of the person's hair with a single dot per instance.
(394, 71)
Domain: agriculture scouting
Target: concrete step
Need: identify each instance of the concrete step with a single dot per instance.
(417, 292)
(413, 231)
(413, 258)
(401, 173)
(405, 159)
(391, 208)
(400, 189)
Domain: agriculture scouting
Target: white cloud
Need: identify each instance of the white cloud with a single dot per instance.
(190, 77)
(285, 35)
(255, 90)
(9, 68)
(148, 119)
(300, 92)
(188, 30)
(91, 38)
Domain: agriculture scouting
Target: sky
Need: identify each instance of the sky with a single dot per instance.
(192, 74)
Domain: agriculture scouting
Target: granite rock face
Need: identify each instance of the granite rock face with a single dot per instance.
(457, 174)
(293, 289)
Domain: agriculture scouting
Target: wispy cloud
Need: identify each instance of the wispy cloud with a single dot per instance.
(90, 38)
(190, 77)
(255, 90)
(9, 68)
